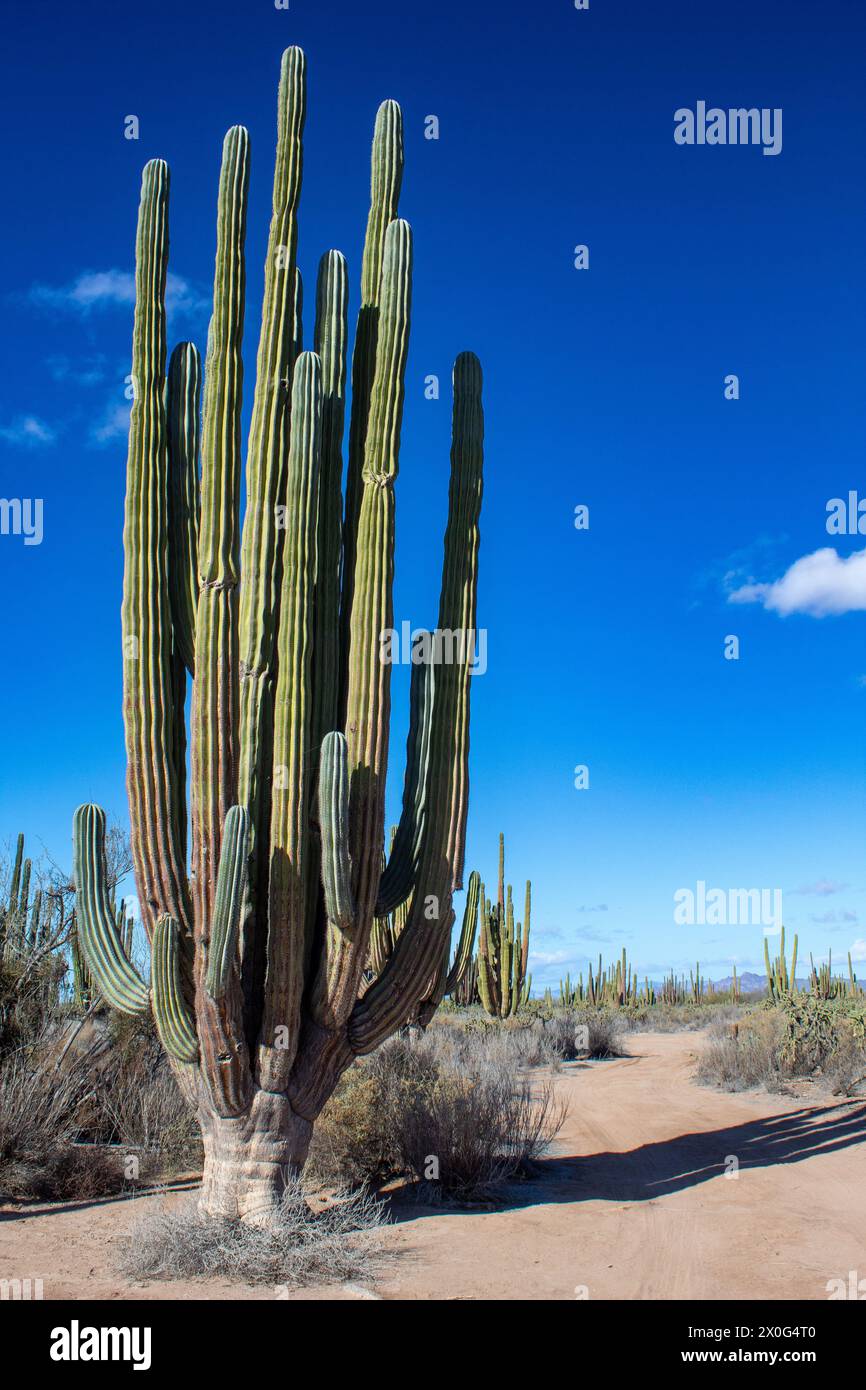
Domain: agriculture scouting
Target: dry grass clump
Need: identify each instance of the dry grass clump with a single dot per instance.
(303, 1247)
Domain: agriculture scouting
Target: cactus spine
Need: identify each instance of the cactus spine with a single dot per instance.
(260, 986)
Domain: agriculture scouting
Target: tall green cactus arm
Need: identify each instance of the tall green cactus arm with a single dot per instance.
(417, 951)
(386, 177)
(24, 896)
(369, 694)
(332, 297)
(398, 879)
(334, 822)
(267, 450)
(120, 984)
(293, 763)
(183, 396)
(151, 713)
(527, 917)
(16, 874)
(214, 724)
(506, 956)
(466, 943)
(228, 901)
(173, 1017)
(501, 890)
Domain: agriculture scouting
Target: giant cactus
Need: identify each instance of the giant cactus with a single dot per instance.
(259, 944)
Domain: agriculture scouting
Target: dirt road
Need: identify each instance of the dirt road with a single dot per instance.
(632, 1203)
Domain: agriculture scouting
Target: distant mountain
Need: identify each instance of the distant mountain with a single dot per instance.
(748, 983)
(751, 984)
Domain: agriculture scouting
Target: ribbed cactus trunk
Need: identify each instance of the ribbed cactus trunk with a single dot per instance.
(268, 971)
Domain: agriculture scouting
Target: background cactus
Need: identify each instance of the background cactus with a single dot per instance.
(261, 946)
(503, 950)
(780, 980)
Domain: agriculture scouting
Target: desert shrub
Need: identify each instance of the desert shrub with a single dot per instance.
(72, 1106)
(352, 1142)
(302, 1247)
(799, 1037)
(824, 1037)
(474, 1130)
(749, 1056)
(453, 1095)
(139, 1103)
(41, 1107)
(604, 1028)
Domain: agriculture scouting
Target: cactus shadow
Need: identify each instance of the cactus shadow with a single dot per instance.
(656, 1170)
(651, 1171)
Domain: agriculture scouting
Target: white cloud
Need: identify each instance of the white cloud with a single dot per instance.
(826, 918)
(100, 289)
(28, 430)
(823, 888)
(89, 371)
(858, 949)
(543, 959)
(818, 584)
(114, 425)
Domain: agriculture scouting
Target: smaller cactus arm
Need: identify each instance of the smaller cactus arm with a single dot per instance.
(182, 403)
(121, 985)
(171, 1013)
(398, 880)
(230, 888)
(465, 945)
(334, 823)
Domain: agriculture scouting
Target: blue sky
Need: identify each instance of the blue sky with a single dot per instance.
(603, 387)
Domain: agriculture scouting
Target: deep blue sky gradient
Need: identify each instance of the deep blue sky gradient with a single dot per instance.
(602, 387)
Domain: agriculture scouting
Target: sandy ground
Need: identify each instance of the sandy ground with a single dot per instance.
(633, 1203)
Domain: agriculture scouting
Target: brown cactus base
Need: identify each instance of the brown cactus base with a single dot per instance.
(249, 1159)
